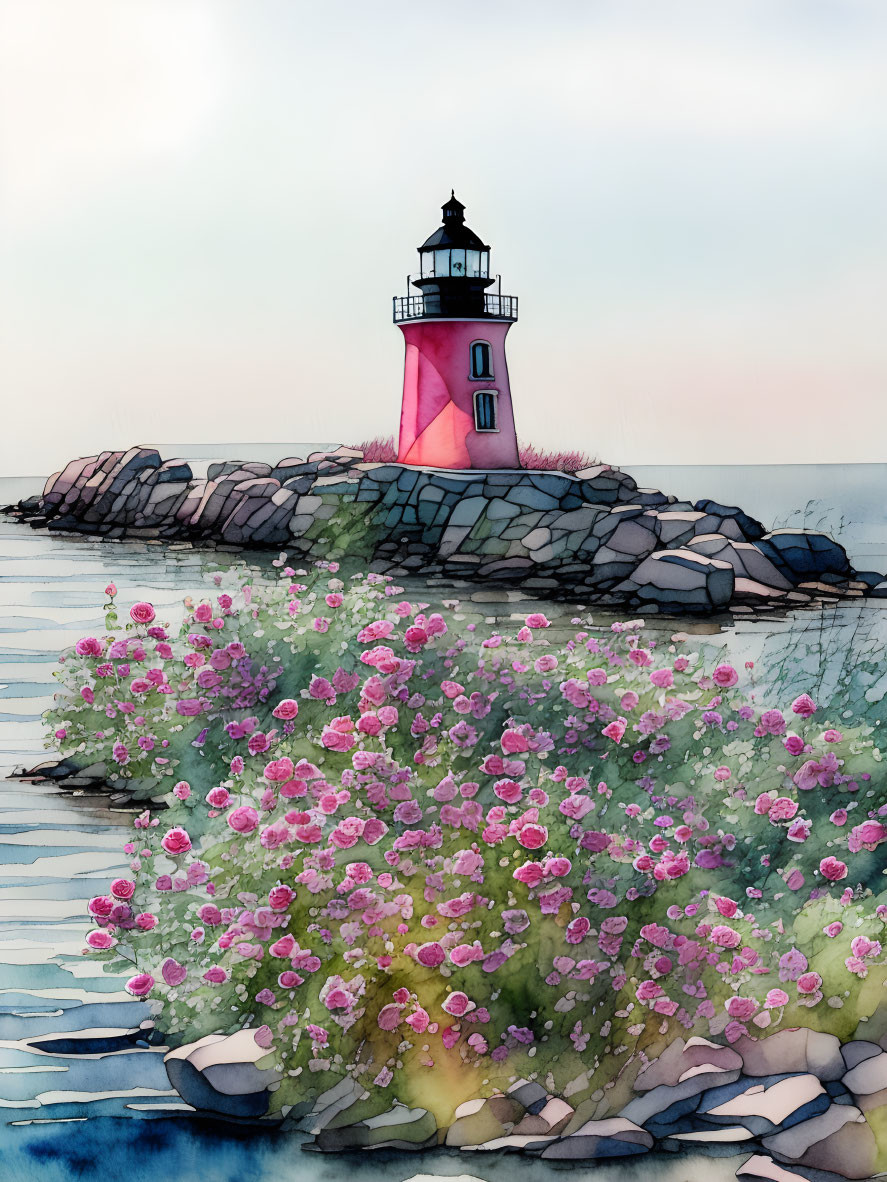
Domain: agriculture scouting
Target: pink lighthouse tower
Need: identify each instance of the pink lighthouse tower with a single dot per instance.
(456, 399)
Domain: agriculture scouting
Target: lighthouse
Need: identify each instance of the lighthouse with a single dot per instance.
(456, 410)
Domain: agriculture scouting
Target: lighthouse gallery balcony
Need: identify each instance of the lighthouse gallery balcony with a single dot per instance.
(427, 306)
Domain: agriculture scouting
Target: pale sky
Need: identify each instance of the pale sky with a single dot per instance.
(207, 206)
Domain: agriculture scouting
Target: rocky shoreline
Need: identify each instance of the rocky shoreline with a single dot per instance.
(802, 1103)
(592, 534)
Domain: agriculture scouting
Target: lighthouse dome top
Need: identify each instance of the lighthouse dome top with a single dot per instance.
(453, 231)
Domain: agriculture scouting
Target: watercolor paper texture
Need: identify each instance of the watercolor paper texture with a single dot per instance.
(449, 756)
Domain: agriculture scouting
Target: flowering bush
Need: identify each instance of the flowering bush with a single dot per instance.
(383, 450)
(394, 841)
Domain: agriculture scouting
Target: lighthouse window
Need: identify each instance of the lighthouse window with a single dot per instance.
(457, 262)
(481, 359)
(485, 410)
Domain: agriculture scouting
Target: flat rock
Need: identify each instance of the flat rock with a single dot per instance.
(681, 578)
(839, 1140)
(552, 1118)
(612, 1137)
(760, 1168)
(751, 528)
(680, 1057)
(804, 554)
(682, 1097)
(482, 1120)
(794, 1050)
(401, 1125)
(764, 1106)
(218, 1074)
(869, 1075)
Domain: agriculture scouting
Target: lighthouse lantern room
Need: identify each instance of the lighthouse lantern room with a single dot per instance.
(456, 409)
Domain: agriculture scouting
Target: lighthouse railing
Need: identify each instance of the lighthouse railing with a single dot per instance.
(420, 307)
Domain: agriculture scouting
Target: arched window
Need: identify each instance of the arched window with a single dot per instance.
(481, 359)
(486, 412)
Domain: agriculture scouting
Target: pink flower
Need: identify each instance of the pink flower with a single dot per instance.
(776, 999)
(862, 947)
(264, 1037)
(243, 819)
(508, 790)
(378, 630)
(577, 929)
(415, 637)
(274, 836)
(615, 730)
(662, 678)
(176, 841)
(337, 736)
(215, 975)
(457, 1004)
(726, 906)
(772, 722)
(142, 613)
(537, 620)
(279, 769)
(286, 710)
(142, 983)
(280, 897)
(418, 1020)
(809, 982)
(531, 873)
(389, 1017)
(101, 906)
(724, 676)
(741, 1008)
(172, 972)
(218, 797)
(430, 955)
(99, 939)
(123, 888)
(532, 837)
(648, 990)
(513, 742)
(783, 808)
(88, 647)
(725, 937)
(832, 869)
(804, 705)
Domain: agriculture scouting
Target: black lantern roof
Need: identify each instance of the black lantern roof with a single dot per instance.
(453, 231)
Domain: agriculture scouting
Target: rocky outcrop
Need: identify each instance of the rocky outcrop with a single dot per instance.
(804, 1106)
(218, 1074)
(592, 534)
